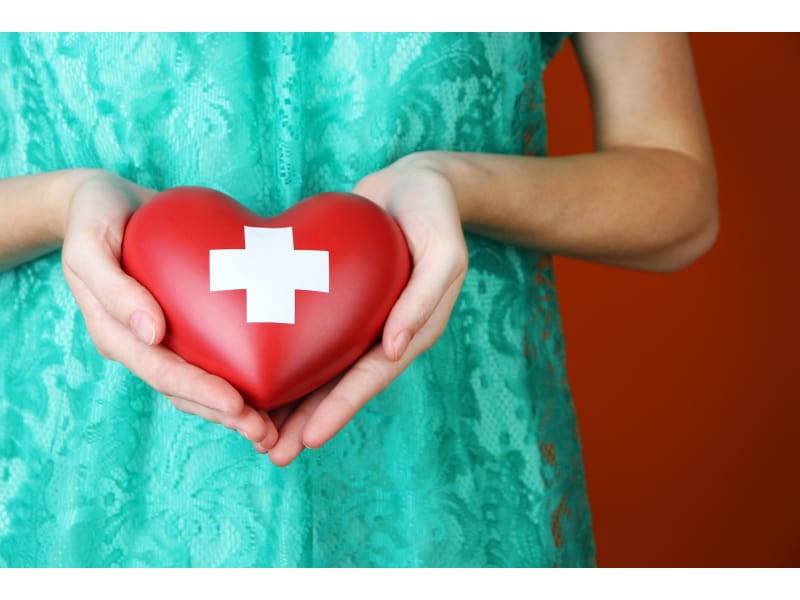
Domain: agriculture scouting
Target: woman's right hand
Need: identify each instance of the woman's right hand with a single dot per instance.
(125, 321)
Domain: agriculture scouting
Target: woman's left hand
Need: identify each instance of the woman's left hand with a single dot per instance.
(422, 201)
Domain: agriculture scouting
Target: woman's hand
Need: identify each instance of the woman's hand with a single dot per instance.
(421, 200)
(125, 321)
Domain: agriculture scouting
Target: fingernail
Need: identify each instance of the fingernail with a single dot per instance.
(401, 343)
(143, 327)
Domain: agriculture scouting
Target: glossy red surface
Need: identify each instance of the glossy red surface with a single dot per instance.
(166, 248)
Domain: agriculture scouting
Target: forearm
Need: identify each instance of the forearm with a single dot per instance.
(33, 211)
(635, 207)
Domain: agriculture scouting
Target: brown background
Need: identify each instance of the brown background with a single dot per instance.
(686, 385)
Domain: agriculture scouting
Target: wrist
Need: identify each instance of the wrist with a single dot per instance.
(75, 181)
(456, 168)
(57, 192)
(33, 213)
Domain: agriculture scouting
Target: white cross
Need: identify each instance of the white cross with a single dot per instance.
(271, 270)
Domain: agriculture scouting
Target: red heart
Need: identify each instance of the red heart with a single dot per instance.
(167, 246)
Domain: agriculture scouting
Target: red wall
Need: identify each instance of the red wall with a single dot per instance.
(686, 385)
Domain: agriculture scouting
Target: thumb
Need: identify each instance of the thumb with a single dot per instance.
(430, 280)
(95, 262)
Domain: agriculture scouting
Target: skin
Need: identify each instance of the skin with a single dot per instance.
(645, 199)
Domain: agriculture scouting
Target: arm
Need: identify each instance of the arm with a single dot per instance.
(645, 199)
(33, 211)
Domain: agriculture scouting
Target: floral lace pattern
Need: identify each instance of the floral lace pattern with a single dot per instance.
(470, 458)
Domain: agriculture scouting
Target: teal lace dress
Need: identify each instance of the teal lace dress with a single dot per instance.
(470, 458)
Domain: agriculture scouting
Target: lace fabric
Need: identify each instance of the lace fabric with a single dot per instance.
(470, 458)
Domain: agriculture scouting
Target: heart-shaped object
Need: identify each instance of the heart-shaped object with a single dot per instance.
(276, 306)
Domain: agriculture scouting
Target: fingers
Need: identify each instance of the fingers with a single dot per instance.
(202, 393)
(290, 441)
(95, 263)
(192, 389)
(364, 380)
(279, 415)
(251, 424)
(118, 294)
(433, 275)
(443, 263)
(370, 375)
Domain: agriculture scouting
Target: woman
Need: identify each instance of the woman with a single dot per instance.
(470, 457)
